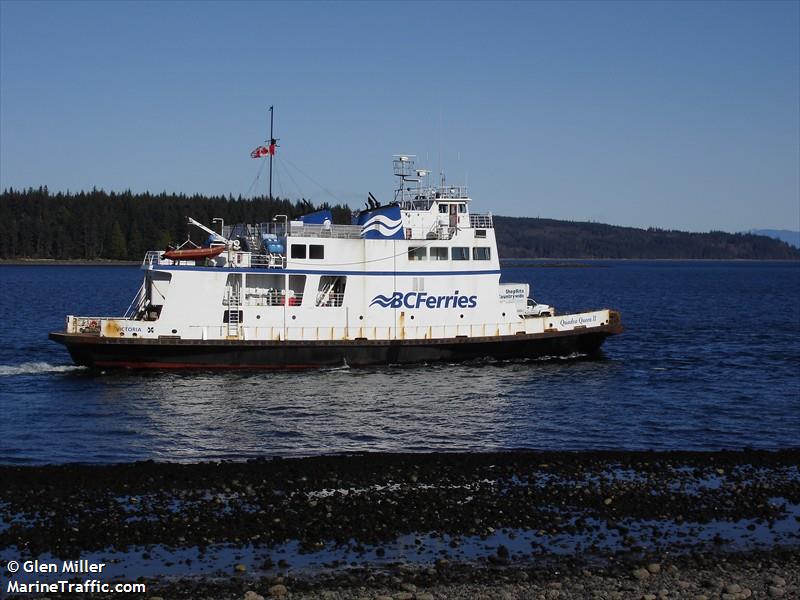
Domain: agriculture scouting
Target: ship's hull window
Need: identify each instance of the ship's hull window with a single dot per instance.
(481, 254)
(438, 253)
(297, 286)
(418, 253)
(316, 251)
(264, 289)
(298, 251)
(460, 253)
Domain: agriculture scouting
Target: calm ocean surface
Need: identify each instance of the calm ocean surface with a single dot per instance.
(710, 359)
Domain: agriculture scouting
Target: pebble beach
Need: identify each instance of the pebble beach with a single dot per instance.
(419, 526)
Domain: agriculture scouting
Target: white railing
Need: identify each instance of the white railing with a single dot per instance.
(136, 303)
(270, 298)
(481, 221)
(152, 258)
(233, 259)
(320, 231)
(271, 261)
(452, 191)
(588, 320)
(437, 232)
(330, 299)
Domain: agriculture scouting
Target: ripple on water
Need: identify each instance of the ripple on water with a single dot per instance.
(690, 379)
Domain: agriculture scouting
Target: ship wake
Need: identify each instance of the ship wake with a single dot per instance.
(36, 368)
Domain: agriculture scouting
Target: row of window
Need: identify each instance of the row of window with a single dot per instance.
(317, 252)
(462, 208)
(314, 252)
(456, 253)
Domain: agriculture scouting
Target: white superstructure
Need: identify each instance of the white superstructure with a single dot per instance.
(423, 267)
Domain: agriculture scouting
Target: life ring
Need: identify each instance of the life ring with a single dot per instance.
(93, 324)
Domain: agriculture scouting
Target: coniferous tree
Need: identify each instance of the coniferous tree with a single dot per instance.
(99, 225)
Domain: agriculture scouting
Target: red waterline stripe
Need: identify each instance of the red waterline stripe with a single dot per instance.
(159, 365)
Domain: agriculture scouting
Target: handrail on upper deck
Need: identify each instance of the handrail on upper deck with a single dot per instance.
(322, 231)
(481, 221)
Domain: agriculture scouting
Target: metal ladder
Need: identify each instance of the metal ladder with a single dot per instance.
(234, 305)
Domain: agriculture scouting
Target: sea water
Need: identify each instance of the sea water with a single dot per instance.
(710, 359)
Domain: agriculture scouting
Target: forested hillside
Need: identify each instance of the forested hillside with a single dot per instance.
(122, 226)
(546, 238)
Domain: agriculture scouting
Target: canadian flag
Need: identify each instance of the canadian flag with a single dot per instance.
(263, 151)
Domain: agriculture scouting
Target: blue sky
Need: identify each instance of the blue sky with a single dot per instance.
(677, 115)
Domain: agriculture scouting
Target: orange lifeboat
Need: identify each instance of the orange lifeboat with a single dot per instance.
(192, 253)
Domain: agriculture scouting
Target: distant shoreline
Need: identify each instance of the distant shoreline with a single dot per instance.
(50, 262)
(570, 263)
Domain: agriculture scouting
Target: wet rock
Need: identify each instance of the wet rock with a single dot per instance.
(278, 591)
(778, 581)
(641, 574)
(776, 592)
(654, 568)
(239, 568)
(251, 595)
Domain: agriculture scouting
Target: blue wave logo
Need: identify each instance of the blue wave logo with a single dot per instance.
(385, 223)
(394, 301)
(413, 300)
(383, 227)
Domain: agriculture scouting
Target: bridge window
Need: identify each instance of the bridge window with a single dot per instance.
(316, 251)
(462, 208)
(443, 209)
(481, 254)
(418, 253)
(298, 250)
(331, 290)
(438, 253)
(460, 253)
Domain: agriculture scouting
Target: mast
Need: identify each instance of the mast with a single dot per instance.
(272, 141)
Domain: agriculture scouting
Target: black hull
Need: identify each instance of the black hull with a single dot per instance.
(101, 352)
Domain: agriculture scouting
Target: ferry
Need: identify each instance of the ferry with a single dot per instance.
(416, 280)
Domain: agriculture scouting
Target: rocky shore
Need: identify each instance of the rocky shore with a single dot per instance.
(419, 526)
